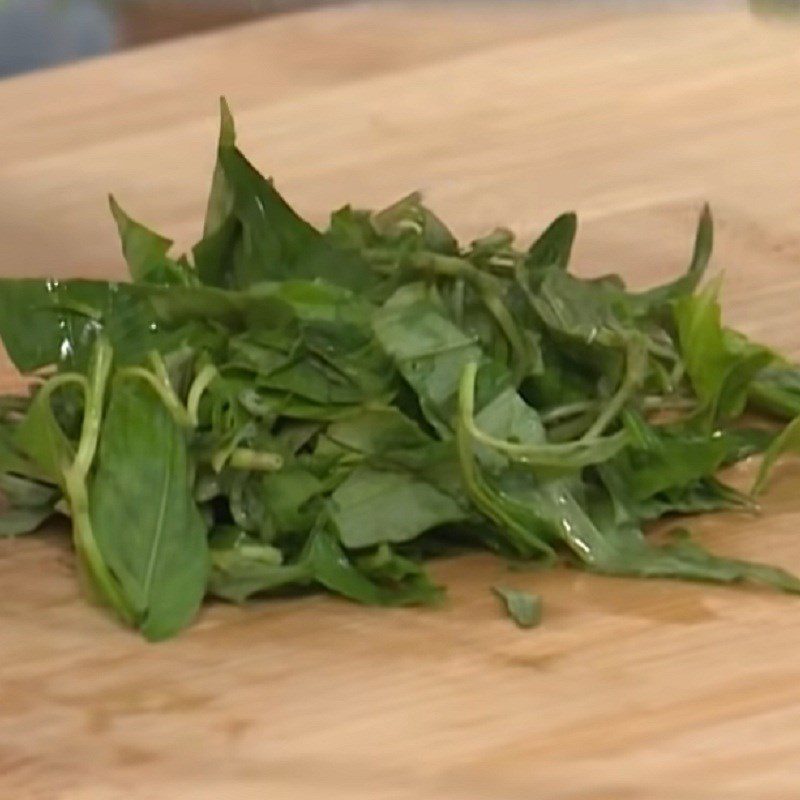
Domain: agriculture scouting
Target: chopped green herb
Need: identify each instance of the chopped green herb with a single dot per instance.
(524, 608)
(286, 409)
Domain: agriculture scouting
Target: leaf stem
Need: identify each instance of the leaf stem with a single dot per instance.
(474, 483)
(257, 460)
(567, 454)
(164, 391)
(199, 385)
(76, 474)
(99, 370)
(635, 368)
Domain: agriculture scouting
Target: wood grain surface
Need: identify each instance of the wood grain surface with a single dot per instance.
(630, 689)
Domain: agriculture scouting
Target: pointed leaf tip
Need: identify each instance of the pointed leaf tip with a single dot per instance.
(554, 246)
(227, 127)
(703, 242)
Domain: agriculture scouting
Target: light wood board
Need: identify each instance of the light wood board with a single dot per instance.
(645, 690)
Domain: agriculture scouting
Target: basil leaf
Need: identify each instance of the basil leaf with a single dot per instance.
(376, 506)
(142, 487)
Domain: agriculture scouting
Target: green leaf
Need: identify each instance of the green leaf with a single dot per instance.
(618, 547)
(660, 296)
(720, 363)
(351, 402)
(12, 459)
(28, 493)
(330, 566)
(672, 460)
(554, 247)
(524, 608)
(589, 312)
(776, 390)
(241, 566)
(142, 487)
(430, 352)
(220, 200)
(687, 560)
(215, 255)
(41, 438)
(14, 521)
(45, 322)
(375, 506)
(146, 251)
(788, 441)
(274, 236)
(291, 499)
(409, 216)
(377, 431)
(404, 581)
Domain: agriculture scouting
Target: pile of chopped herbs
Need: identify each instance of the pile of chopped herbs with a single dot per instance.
(284, 409)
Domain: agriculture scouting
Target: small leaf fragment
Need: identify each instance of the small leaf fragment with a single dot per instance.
(524, 608)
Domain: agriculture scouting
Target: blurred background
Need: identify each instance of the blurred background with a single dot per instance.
(40, 33)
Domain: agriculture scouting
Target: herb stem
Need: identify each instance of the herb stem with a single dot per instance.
(567, 454)
(568, 410)
(164, 391)
(258, 460)
(76, 474)
(475, 485)
(635, 368)
(201, 382)
(86, 545)
(99, 370)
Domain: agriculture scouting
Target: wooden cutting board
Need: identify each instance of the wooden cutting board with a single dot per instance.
(646, 690)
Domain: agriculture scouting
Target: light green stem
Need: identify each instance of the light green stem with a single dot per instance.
(76, 474)
(258, 460)
(199, 385)
(473, 482)
(581, 452)
(635, 367)
(99, 370)
(86, 545)
(164, 391)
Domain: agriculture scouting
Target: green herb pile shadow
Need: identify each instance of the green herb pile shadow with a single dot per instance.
(283, 408)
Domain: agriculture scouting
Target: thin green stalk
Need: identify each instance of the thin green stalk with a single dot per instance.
(571, 428)
(86, 545)
(164, 391)
(567, 454)
(567, 410)
(160, 368)
(506, 323)
(256, 460)
(76, 474)
(635, 368)
(473, 482)
(99, 370)
(199, 385)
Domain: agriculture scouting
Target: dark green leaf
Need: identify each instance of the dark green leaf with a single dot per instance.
(554, 246)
